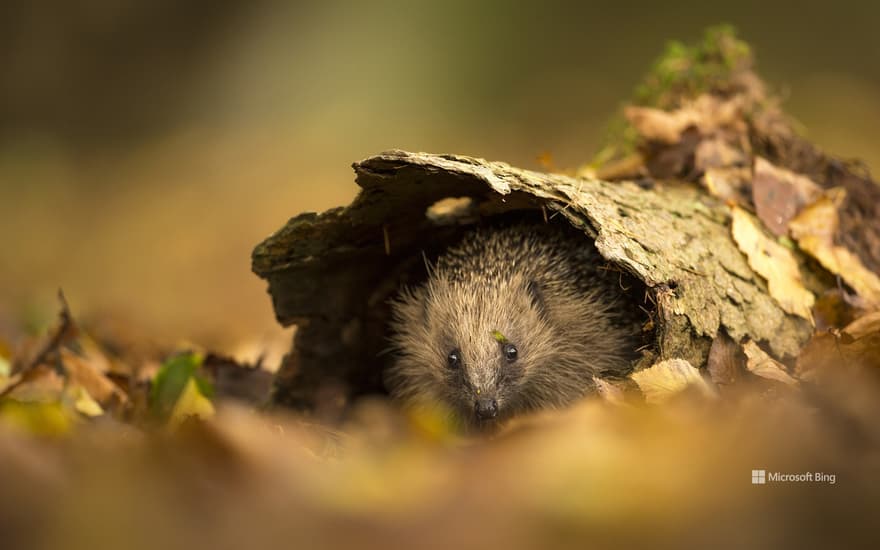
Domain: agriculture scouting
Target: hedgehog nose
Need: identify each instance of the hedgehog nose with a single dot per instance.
(486, 408)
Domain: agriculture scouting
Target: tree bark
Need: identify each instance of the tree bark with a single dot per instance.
(332, 274)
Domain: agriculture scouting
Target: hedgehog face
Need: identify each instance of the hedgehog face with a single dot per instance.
(510, 320)
(472, 347)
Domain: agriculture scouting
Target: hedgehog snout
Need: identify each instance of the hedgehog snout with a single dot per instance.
(486, 408)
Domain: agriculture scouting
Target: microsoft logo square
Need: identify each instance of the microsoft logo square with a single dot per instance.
(759, 477)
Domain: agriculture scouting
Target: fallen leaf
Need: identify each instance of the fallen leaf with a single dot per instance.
(717, 152)
(658, 125)
(814, 230)
(707, 114)
(856, 345)
(84, 403)
(668, 378)
(729, 184)
(773, 262)
(88, 348)
(48, 419)
(5, 358)
(432, 421)
(172, 381)
(759, 363)
(779, 194)
(83, 372)
(675, 160)
(629, 167)
(5, 369)
(726, 361)
(834, 310)
(38, 384)
(864, 326)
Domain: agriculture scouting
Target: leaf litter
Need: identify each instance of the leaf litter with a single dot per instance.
(199, 461)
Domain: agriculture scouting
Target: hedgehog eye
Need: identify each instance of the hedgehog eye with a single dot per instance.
(509, 351)
(454, 359)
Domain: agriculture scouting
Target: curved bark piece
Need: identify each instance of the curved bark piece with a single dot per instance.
(332, 274)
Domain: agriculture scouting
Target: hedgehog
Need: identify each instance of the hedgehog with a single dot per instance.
(514, 318)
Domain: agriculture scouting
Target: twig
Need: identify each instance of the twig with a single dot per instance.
(65, 327)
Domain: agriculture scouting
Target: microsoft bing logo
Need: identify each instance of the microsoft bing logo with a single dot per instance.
(759, 477)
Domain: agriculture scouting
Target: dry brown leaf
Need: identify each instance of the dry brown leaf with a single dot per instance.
(856, 345)
(668, 378)
(814, 229)
(84, 373)
(40, 383)
(834, 309)
(716, 152)
(779, 194)
(761, 364)
(729, 184)
(707, 114)
(95, 353)
(5, 350)
(657, 125)
(726, 362)
(774, 262)
(864, 326)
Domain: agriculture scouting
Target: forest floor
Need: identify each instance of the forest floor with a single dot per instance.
(109, 442)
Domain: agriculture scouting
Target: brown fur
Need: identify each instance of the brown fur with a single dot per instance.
(538, 285)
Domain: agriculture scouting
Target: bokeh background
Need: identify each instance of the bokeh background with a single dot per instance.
(147, 146)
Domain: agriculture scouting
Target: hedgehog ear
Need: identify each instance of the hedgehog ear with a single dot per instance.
(537, 297)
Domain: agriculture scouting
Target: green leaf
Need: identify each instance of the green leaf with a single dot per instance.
(204, 386)
(172, 380)
(498, 336)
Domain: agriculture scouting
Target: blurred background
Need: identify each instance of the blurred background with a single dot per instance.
(147, 146)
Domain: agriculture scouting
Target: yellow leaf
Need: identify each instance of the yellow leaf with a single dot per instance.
(35, 418)
(5, 365)
(668, 378)
(431, 421)
(191, 403)
(761, 364)
(84, 404)
(773, 262)
(814, 229)
(5, 369)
